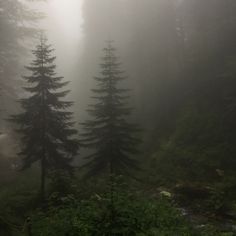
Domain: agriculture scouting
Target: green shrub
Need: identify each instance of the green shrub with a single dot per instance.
(124, 214)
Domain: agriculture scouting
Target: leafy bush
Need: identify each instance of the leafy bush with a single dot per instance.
(124, 214)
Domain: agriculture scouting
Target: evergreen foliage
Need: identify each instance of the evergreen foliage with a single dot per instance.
(45, 124)
(108, 133)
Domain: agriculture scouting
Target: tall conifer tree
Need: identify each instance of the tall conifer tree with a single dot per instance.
(110, 136)
(45, 124)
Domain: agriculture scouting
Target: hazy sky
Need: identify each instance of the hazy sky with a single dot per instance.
(63, 24)
(65, 18)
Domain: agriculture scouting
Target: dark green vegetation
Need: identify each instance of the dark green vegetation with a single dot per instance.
(133, 214)
(180, 57)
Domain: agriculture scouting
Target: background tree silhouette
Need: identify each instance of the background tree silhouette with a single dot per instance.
(108, 133)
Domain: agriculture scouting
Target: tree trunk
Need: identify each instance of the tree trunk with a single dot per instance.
(43, 180)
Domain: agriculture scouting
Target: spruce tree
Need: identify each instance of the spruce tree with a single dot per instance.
(110, 137)
(45, 124)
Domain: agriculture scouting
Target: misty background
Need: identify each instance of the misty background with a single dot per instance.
(175, 54)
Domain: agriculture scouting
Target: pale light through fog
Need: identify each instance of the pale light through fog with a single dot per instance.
(66, 16)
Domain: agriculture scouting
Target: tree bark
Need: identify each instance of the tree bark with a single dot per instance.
(43, 180)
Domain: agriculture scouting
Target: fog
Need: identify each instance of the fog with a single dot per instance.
(79, 30)
(152, 118)
(63, 25)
